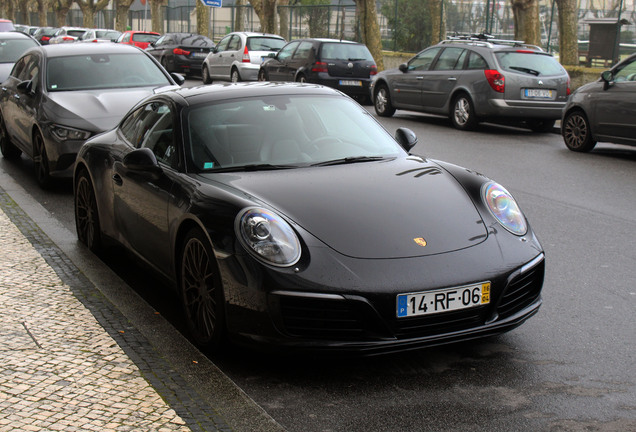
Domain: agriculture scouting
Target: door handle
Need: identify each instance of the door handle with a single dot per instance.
(420, 77)
(118, 180)
(452, 79)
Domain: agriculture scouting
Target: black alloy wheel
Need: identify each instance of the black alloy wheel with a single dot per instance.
(41, 162)
(576, 132)
(382, 102)
(301, 78)
(86, 215)
(201, 291)
(9, 150)
(463, 113)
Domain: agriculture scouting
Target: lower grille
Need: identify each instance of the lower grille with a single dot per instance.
(440, 323)
(522, 291)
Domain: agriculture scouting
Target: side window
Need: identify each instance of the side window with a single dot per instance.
(423, 60)
(303, 51)
(475, 61)
(448, 59)
(235, 44)
(461, 60)
(626, 73)
(287, 51)
(19, 67)
(222, 46)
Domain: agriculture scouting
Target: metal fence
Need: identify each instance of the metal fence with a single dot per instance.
(400, 26)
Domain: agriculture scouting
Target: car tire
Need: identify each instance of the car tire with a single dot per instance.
(235, 76)
(201, 291)
(463, 113)
(41, 162)
(541, 125)
(576, 132)
(205, 75)
(382, 101)
(301, 78)
(9, 150)
(86, 215)
(262, 75)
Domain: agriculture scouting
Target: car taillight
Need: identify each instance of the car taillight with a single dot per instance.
(246, 55)
(179, 51)
(320, 67)
(94, 40)
(568, 91)
(495, 79)
(67, 38)
(374, 70)
(45, 38)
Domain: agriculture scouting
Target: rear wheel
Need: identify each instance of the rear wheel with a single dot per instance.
(301, 78)
(201, 291)
(234, 76)
(9, 151)
(205, 75)
(41, 162)
(463, 113)
(382, 102)
(576, 132)
(86, 215)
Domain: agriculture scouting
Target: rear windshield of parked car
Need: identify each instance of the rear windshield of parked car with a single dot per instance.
(100, 71)
(264, 44)
(12, 49)
(530, 63)
(144, 37)
(344, 51)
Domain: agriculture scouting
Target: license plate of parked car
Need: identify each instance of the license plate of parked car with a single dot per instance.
(350, 83)
(200, 54)
(538, 93)
(449, 299)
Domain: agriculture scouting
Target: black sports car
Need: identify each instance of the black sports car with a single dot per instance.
(286, 215)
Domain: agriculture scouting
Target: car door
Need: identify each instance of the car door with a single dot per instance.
(407, 86)
(615, 105)
(230, 55)
(302, 59)
(216, 59)
(443, 76)
(277, 67)
(156, 49)
(141, 198)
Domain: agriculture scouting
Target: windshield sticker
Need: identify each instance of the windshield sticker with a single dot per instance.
(208, 165)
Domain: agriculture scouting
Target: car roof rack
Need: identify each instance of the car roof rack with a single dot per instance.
(483, 39)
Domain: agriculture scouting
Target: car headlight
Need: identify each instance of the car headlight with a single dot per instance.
(267, 236)
(504, 208)
(64, 133)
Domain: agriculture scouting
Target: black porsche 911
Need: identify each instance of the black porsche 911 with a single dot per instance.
(286, 216)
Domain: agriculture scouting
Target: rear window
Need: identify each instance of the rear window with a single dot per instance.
(344, 51)
(76, 33)
(144, 37)
(264, 44)
(529, 63)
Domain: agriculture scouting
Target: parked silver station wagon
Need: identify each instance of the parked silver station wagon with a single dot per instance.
(477, 78)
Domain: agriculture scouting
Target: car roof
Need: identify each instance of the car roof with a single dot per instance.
(258, 34)
(61, 50)
(330, 40)
(14, 35)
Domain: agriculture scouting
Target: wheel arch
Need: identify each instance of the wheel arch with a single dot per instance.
(185, 226)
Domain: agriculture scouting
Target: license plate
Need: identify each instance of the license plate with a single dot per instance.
(351, 83)
(445, 300)
(200, 54)
(538, 93)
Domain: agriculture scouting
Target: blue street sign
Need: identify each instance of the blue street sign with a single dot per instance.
(213, 3)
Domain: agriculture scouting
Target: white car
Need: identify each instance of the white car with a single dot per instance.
(67, 34)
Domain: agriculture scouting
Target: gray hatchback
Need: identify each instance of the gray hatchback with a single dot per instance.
(473, 79)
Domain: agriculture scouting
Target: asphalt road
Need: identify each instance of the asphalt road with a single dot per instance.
(569, 368)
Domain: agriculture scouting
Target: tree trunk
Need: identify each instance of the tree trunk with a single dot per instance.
(526, 21)
(239, 15)
(121, 14)
(203, 19)
(88, 8)
(266, 12)
(61, 11)
(283, 18)
(568, 40)
(43, 6)
(156, 15)
(438, 21)
(370, 30)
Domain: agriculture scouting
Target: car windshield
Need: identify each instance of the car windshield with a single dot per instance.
(107, 34)
(345, 51)
(285, 132)
(12, 49)
(264, 44)
(103, 71)
(529, 62)
(75, 33)
(144, 37)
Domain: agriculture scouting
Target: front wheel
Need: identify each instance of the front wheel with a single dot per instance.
(301, 78)
(86, 215)
(41, 162)
(382, 102)
(201, 291)
(205, 75)
(262, 75)
(463, 113)
(576, 132)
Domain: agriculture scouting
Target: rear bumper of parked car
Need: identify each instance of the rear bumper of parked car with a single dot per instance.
(344, 84)
(521, 109)
(187, 65)
(248, 71)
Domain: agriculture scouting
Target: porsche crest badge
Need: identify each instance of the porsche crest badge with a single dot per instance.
(420, 241)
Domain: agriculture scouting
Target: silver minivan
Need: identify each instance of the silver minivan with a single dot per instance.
(238, 56)
(477, 79)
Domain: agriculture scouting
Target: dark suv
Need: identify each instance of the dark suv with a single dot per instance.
(473, 79)
(344, 65)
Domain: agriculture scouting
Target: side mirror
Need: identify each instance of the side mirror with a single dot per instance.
(25, 87)
(142, 160)
(406, 138)
(404, 67)
(178, 78)
(608, 78)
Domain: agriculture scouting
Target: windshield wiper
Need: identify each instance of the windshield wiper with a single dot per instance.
(526, 70)
(350, 160)
(253, 167)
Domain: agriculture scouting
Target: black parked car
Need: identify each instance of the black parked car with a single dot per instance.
(344, 65)
(604, 110)
(286, 215)
(181, 52)
(57, 96)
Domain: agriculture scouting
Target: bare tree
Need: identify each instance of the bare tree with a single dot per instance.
(203, 18)
(88, 8)
(567, 23)
(283, 18)
(156, 15)
(61, 8)
(42, 6)
(121, 14)
(239, 15)
(370, 30)
(438, 23)
(266, 12)
(526, 21)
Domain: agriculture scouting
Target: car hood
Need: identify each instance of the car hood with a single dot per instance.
(400, 208)
(102, 109)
